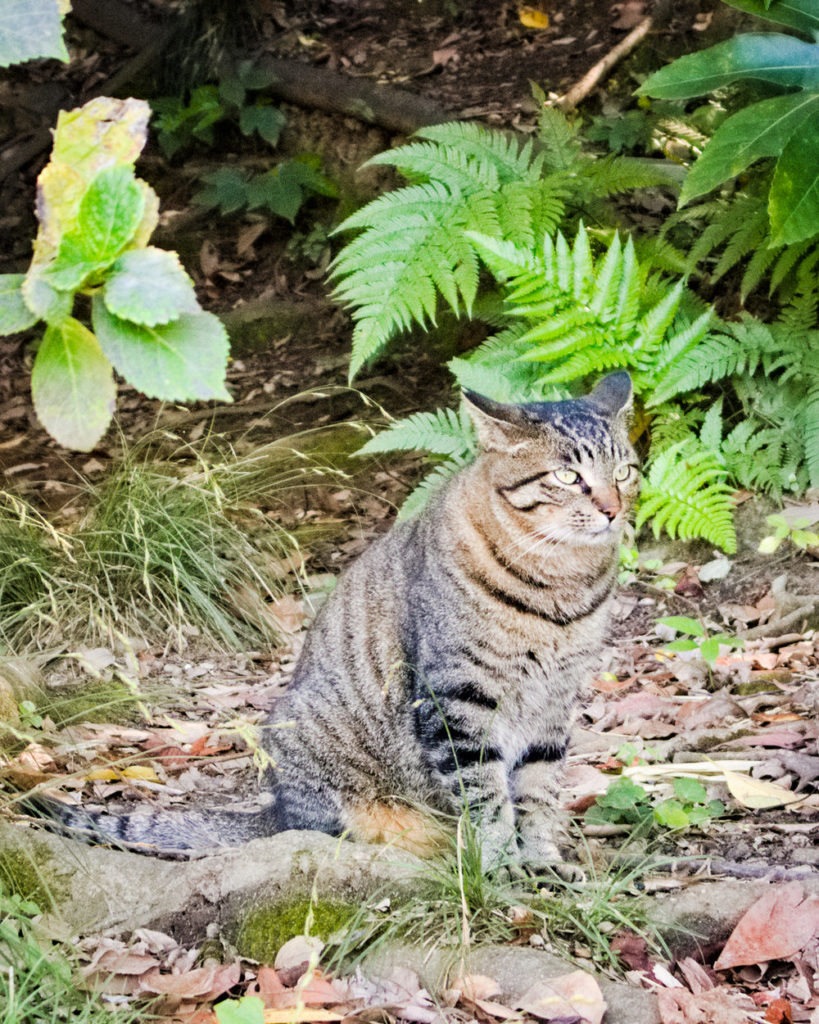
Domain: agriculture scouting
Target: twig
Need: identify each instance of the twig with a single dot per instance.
(804, 612)
(580, 90)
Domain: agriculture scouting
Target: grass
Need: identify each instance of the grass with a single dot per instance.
(168, 545)
(457, 904)
(36, 983)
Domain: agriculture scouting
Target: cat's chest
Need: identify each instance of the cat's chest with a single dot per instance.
(537, 704)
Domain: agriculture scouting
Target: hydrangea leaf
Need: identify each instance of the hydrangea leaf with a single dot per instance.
(182, 361)
(149, 286)
(72, 385)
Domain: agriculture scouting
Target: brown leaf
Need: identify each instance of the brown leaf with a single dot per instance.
(575, 994)
(317, 992)
(632, 950)
(719, 1006)
(779, 1012)
(776, 927)
(267, 985)
(202, 983)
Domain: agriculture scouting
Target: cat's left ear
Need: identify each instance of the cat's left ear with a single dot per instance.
(500, 427)
(613, 395)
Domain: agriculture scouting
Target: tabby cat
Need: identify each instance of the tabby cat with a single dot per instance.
(444, 670)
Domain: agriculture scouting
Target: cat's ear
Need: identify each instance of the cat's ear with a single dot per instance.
(613, 395)
(500, 427)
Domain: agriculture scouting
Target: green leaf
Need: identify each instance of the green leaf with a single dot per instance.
(149, 286)
(46, 302)
(227, 188)
(771, 57)
(15, 315)
(622, 794)
(709, 649)
(793, 203)
(690, 791)
(30, 29)
(681, 645)
(802, 15)
(683, 624)
(180, 361)
(284, 189)
(760, 130)
(671, 814)
(247, 1010)
(267, 120)
(109, 215)
(72, 386)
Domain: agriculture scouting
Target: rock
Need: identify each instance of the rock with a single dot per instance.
(515, 968)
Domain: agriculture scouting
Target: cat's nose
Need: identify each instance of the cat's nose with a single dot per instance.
(608, 502)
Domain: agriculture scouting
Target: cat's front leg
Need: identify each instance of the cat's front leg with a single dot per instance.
(536, 790)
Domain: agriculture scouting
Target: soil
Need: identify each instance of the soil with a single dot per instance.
(477, 62)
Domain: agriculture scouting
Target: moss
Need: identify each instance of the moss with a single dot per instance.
(264, 930)
(101, 700)
(764, 683)
(31, 874)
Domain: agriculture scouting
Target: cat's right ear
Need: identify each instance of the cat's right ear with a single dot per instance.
(497, 424)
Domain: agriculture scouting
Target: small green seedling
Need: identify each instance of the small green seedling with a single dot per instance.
(795, 532)
(633, 565)
(29, 716)
(627, 803)
(696, 637)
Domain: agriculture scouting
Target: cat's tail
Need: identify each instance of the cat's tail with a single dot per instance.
(175, 831)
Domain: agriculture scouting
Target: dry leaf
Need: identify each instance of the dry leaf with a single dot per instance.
(140, 771)
(296, 951)
(777, 926)
(575, 994)
(203, 983)
(718, 1006)
(531, 17)
(757, 794)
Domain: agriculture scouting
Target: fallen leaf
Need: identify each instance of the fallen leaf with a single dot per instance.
(317, 992)
(531, 17)
(779, 1012)
(140, 771)
(477, 986)
(718, 1006)
(777, 926)
(757, 794)
(296, 951)
(266, 985)
(575, 994)
(202, 983)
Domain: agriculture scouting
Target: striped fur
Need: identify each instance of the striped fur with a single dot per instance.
(445, 668)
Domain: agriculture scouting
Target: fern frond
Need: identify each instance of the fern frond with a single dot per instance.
(432, 483)
(448, 165)
(511, 160)
(443, 432)
(558, 136)
(686, 494)
(616, 174)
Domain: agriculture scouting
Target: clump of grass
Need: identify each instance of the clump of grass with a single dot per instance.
(165, 545)
(458, 904)
(36, 983)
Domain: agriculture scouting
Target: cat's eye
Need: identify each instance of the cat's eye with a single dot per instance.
(566, 476)
(623, 473)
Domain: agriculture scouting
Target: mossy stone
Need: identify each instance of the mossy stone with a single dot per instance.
(31, 874)
(264, 930)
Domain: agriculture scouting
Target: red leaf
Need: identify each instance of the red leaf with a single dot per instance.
(779, 1012)
(776, 927)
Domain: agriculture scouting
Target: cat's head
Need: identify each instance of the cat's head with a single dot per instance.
(566, 469)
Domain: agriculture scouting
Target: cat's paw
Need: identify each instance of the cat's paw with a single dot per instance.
(546, 861)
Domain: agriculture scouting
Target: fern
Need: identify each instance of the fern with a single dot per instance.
(444, 432)
(415, 248)
(592, 315)
(431, 485)
(685, 492)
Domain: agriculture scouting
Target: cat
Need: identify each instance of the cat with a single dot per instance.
(444, 670)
